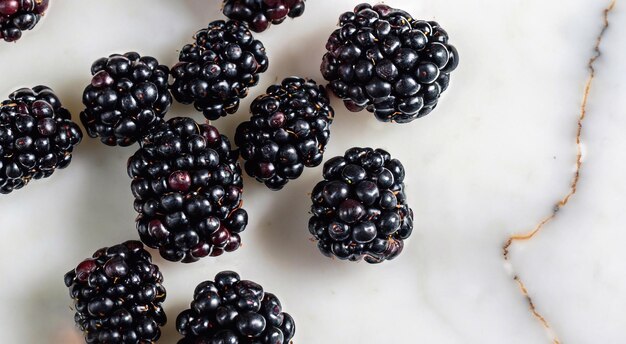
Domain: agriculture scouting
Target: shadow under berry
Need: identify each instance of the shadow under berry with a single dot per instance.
(283, 227)
(105, 214)
(169, 334)
(47, 307)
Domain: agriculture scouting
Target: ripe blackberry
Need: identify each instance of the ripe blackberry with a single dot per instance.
(359, 209)
(19, 15)
(383, 60)
(218, 69)
(127, 98)
(288, 130)
(118, 295)
(188, 187)
(37, 136)
(259, 14)
(231, 310)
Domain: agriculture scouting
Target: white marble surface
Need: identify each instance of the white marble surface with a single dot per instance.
(491, 161)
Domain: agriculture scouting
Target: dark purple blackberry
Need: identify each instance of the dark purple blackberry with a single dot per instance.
(218, 69)
(127, 98)
(359, 209)
(118, 295)
(383, 60)
(259, 14)
(187, 185)
(230, 310)
(37, 136)
(288, 130)
(19, 15)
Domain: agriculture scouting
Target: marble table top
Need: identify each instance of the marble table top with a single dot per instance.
(525, 138)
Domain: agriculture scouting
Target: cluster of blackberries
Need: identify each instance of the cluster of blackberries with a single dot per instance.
(118, 295)
(289, 129)
(383, 60)
(187, 181)
(188, 187)
(259, 14)
(127, 98)
(219, 68)
(19, 15)
(359, 209)
(231, 310)
(37, 136)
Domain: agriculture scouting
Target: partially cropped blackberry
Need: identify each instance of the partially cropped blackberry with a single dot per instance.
(289, 129)
(230, 310)
(259, 14)
(127, 98)
(37, 136)
(188, 187)
(359, 209)
(118, 295)
(218, 69)
(19, 15)
(383, 60)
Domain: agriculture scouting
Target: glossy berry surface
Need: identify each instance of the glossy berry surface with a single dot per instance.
(219, 68)
(259, 14)
(383, 60)
(229, 310)
(188, 191)
(37, 136)
(127, 98)
(17, 16)
(288, 131)
(118, 295)
(359, 209)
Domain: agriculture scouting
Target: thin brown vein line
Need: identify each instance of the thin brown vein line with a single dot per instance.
(573, 184)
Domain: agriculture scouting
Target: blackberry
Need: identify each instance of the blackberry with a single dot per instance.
(187, 186)
(259, 14)
(37, 136)
(359, 209)
(118, 295)
(231, 310)
(127, 98)
(288, 130)
(383, 60)
(217, 70)
(19, 15)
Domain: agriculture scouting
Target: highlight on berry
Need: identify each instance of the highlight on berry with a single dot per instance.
(288, 131)
(231, 310)
(188, 191)
(118, 295)
(359, 210)
(259, 14)
(218, 69)
(127, 98)
(37, 137)
(17, 16)
(385, 61)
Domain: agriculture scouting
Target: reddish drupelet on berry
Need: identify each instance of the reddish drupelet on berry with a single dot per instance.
(17, 16)
(260, 14)
(188, 191)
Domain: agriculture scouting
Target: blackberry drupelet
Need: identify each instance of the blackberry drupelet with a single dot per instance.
(127, 98)
(383, 60)
(219, 68)
(118, 295)
(37, 136)
(259, 14)
(187, 186)
(288, 130)
(359, 209)
(230, 310)
(19, 15)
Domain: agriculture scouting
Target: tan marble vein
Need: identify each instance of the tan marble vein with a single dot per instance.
(573, 184)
